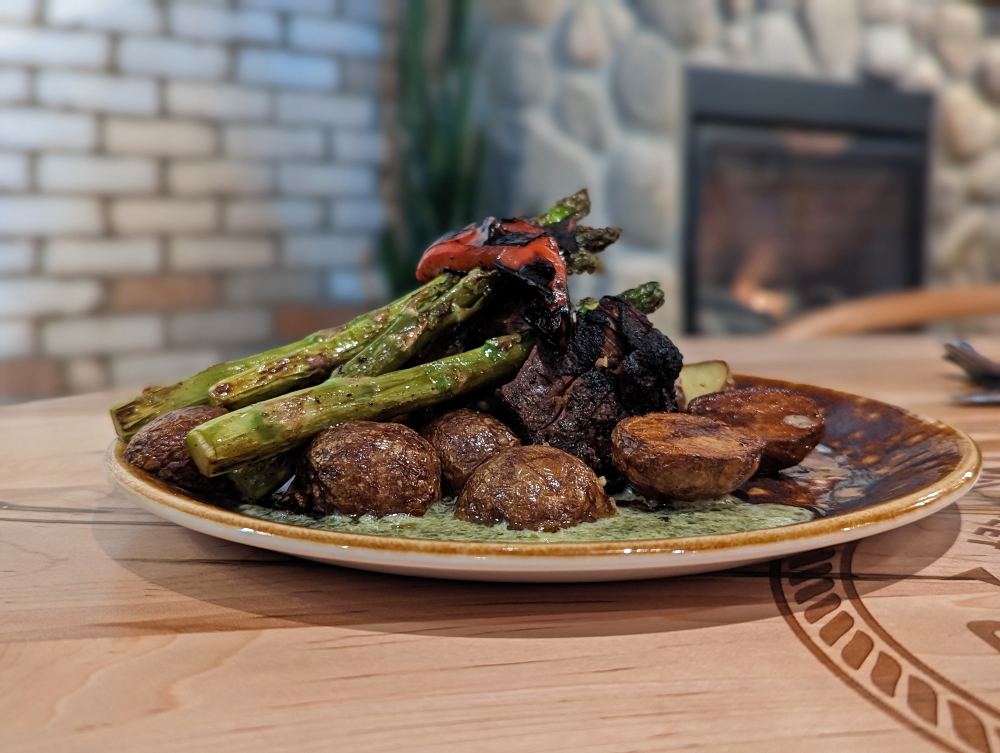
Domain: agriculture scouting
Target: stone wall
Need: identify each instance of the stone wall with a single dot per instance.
(181, 182)
(589, 92)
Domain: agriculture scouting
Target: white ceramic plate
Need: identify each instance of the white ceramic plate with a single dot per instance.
(912, 466)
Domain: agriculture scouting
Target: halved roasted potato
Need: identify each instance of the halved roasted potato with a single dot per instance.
(702, 378)
(680, 456)
(790, 423)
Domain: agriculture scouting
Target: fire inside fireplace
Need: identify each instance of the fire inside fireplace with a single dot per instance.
(800, 194)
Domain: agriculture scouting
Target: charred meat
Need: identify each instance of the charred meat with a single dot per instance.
(615, 365)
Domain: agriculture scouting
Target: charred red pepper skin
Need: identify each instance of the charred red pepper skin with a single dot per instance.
(466, 250)
(541, 250)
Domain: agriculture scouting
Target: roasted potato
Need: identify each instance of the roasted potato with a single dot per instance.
(680, 456)
(160, 448)
(363, 467)
(702, 378)
(791, 424)
(537, 488)
(464, 439)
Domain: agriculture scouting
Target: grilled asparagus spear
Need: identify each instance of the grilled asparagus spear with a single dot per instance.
(648, 297)
(323, 349)
(266, 429)
(285, 373)
(415, 326)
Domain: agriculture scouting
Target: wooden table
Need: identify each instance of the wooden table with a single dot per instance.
(120, 632)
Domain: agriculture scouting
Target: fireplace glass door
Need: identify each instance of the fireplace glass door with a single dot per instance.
(791, 220)
(799, 194)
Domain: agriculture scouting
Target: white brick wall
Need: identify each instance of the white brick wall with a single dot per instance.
(223, 144)
(305, 6)
(235, 325)
(218, 101)
(313, 34)
(16, 256)
(204, 178)
(276, 216)
(89, 91)
(161, 368)
(351, 285)
(138, 16)
(101, 256)
(13, 171)
(13, 85)
(272, 68)
(218, 24)
(332, 110)
(359, 146)
(163, 215)
(158, 137)
(78, 173)
(43, 47)
(354, 214)
(341, 250)
(43, 215)
(17, 339)
(273, 287)
(34, 296)
(269, 142)
(18, 10)
(204, 254)
(167, 57)
(106, 334)
(327, 180)
(86, 374)
(27, 128)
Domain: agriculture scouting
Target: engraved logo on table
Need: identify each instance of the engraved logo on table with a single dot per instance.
(878, 655)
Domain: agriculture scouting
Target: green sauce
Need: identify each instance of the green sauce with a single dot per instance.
(727, 515)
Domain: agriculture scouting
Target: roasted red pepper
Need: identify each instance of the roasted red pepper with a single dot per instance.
(528, 253)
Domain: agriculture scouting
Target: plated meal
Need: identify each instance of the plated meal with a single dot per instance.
(485, 409)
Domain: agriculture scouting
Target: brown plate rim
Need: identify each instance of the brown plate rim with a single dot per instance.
(963, 475)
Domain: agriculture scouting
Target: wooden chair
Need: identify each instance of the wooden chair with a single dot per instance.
(893, 311)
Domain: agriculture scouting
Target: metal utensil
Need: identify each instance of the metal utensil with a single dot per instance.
(980, 369)
(977, 398)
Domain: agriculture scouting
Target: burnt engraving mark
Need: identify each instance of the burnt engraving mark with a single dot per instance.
(987, 630)
(988, 535)
(816, 594)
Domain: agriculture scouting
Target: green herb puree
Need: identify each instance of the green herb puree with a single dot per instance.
(726, 515)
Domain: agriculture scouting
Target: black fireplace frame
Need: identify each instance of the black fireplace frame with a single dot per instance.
(721, 97)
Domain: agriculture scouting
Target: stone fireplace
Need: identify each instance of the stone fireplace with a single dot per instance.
(594, 93)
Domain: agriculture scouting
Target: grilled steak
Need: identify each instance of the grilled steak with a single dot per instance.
(615, 365)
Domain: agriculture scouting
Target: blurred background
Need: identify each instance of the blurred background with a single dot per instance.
(187, 181)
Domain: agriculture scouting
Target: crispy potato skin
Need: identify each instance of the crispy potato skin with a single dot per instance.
(536, 488)
(160, 448)
(364, 467)
(791, 424)
(680, 456)
(464, 439)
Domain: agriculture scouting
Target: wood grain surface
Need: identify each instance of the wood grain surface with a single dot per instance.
(120, 632)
